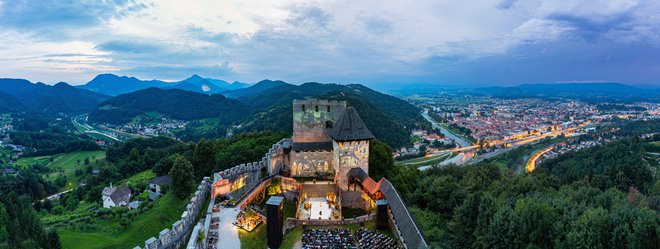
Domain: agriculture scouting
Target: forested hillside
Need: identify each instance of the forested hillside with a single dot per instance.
(9, 103)
(60, 98)
(591, 201)
(20, 225)
(176, 104)
(45, 135)
(265, 106)
(389, 118)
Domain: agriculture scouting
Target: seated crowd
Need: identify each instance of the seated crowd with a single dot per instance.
(371, 239)
(322, 238)
(325, 238)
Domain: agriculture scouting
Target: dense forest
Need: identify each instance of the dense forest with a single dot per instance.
(47, 135)
(59, 98)
(20, 226)
(174, 103)
(611, 203)
(389, 118)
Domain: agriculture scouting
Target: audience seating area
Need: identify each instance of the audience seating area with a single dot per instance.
(325, 238)
(371, 239)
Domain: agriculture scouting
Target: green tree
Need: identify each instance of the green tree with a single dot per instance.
(182, 174)
(591, 230)
(164, 165)
(203, 158)
(503, 230)
(380, 159)
(150, 157)
(54, 240)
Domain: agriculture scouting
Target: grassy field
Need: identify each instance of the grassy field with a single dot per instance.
(139, 177)
(29, 161)
(166, 211)
(64, 164)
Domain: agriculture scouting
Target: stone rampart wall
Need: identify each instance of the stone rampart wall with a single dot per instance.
(178, 235)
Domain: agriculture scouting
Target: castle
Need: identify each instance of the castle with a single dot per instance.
(329, 139)
(322, 168)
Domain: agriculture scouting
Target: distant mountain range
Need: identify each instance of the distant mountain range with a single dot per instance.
(582, 91)
(114, 85)
(39, 97)
(264, 106)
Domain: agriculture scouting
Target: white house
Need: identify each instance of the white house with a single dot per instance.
(114, 197)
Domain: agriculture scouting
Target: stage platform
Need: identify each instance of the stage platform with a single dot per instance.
(315, 195)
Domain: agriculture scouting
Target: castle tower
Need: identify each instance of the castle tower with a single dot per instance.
(350, 145)
(313, 119)
(311, 151)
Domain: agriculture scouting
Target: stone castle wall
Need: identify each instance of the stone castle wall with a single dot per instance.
(177, 236)
(237, 180)
(277, 157)
(349, 155)
(312, 163)
(310, 119)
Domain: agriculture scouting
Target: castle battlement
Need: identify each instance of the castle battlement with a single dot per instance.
(321, 102)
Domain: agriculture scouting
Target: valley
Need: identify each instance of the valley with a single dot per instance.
(444, 147)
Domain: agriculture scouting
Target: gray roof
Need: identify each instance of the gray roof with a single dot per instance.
(409, 230)
(350, 127)
(107, 191)
(134, 204)
(358, 173)
(275, 200)
(312, 146)
(122, 194)
(161, 180)
(12, 171)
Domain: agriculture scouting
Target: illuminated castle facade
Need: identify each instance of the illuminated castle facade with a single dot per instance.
(329, 139)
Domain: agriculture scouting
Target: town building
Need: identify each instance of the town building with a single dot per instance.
(115, 197)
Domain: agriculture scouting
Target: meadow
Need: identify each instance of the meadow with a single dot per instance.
(64, 164)
(108, 233)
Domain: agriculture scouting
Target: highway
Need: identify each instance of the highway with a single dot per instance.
(531, 162)
(84, 127)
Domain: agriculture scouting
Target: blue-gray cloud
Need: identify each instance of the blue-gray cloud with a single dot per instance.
(54, 18)
(128, 46)
(498, 42)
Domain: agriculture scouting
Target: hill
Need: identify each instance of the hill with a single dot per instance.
(389, 118)
(583, 91)
(255, 89)
(173, 103)
(10, 104)
(195, 83)
(113, 85)
(60, 98)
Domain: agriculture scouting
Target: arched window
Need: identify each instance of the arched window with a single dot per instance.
(328, 108)
(316, 108)
(303, 107)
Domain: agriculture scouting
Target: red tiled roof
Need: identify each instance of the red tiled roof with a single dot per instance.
(371, 186)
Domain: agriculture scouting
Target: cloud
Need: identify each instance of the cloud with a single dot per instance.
(55, 18)
(342, 41)
(175, 72)
(506, 4)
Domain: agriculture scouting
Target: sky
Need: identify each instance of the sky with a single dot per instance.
(465, 43)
